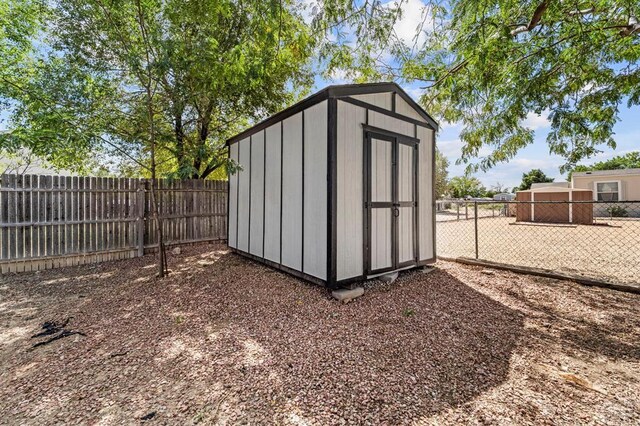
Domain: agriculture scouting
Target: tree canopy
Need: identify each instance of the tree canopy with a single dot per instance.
(488, 64)
(442, 174)
(630, 160)
(210, 65)
(533, 176)
(466, 186)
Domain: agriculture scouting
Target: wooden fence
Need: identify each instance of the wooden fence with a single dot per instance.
(54, 221)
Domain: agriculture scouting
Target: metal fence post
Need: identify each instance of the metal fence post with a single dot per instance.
(458, 209)
(141, 207)
(475, 220)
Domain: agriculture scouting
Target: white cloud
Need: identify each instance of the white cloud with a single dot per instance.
(450, 148)
(540, 163)
(414, 13)
(535, 121)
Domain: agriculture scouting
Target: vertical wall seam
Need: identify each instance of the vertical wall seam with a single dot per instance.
(433, 192)
(416, 196)
(366, 230)
(228, 191)
(302, 207)
(238, 194)
(332, 191)
(281, 180)
(264, 185)
(250, 173)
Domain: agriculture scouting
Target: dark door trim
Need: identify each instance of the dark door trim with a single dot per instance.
(395, 139)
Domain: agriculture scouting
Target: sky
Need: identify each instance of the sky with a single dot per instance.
(535, 156)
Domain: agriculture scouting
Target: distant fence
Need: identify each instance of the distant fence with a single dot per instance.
(592, 239)
(53, 221)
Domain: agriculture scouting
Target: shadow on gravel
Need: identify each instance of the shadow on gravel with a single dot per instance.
(608, 335)
(425, 344)
(227, 340)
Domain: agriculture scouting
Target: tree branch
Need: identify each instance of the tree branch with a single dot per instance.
(535, 19)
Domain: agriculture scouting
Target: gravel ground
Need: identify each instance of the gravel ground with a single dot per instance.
(225, 340)
(608, 252)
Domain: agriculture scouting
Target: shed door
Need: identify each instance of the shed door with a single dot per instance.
(390, 207)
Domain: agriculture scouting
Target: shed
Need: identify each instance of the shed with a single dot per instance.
(337, 188)
(564, 210)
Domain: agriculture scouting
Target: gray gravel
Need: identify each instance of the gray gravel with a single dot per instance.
(225, 340)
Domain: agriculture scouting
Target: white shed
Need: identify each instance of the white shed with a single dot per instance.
(337, 188)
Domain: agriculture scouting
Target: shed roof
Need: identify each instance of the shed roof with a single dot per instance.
(616, 172)
(555, 189)
(337, 91)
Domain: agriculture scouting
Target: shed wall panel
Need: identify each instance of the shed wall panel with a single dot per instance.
(405, 234)
(582, 213)
(315, 191)
(381, 170)
(292, 192)
(405, 172)
(273, 168)
(390, 123)
(350, 193)
(382, 100)
(233, 200)
(244, 183)
(402, 107)
(425, 193)
(523, 211)
(257, 194)
(551, 213)
(406, 193)
(381, 248)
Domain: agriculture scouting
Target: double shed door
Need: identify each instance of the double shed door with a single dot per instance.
(391, 162)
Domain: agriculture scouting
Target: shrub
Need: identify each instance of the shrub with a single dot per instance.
(617, 211)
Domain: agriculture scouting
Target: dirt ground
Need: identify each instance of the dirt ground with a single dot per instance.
(225, 340)
(610, 251)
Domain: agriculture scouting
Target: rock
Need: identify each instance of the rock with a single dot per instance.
(388, 278)
(488, 272)
(345, 295)
(176, 251)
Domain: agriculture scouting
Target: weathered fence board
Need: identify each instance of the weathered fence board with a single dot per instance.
(54, 221)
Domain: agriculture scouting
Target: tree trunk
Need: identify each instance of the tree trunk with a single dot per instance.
(162, 253)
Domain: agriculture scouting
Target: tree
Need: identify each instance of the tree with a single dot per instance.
(441, 174)
(215, 66)
(20, 22)
(499, 188)
(466, 186)
(533, 176)
(490, 64)
(629, 160)
(21, 162)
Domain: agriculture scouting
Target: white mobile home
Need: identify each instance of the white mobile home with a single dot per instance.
(337, 188)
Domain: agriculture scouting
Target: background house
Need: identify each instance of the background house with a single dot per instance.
(612, 186)
(504, 196)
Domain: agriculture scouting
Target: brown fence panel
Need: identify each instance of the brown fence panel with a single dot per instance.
(55, 221)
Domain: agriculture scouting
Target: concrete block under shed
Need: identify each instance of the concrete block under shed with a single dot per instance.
(345, 295)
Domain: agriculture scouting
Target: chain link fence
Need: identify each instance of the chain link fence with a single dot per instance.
(592, 239)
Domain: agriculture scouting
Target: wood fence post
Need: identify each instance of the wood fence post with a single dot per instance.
(141, 202)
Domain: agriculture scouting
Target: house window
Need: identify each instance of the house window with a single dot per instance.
(608, 191)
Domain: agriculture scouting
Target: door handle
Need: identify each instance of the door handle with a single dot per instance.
(396, 212)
